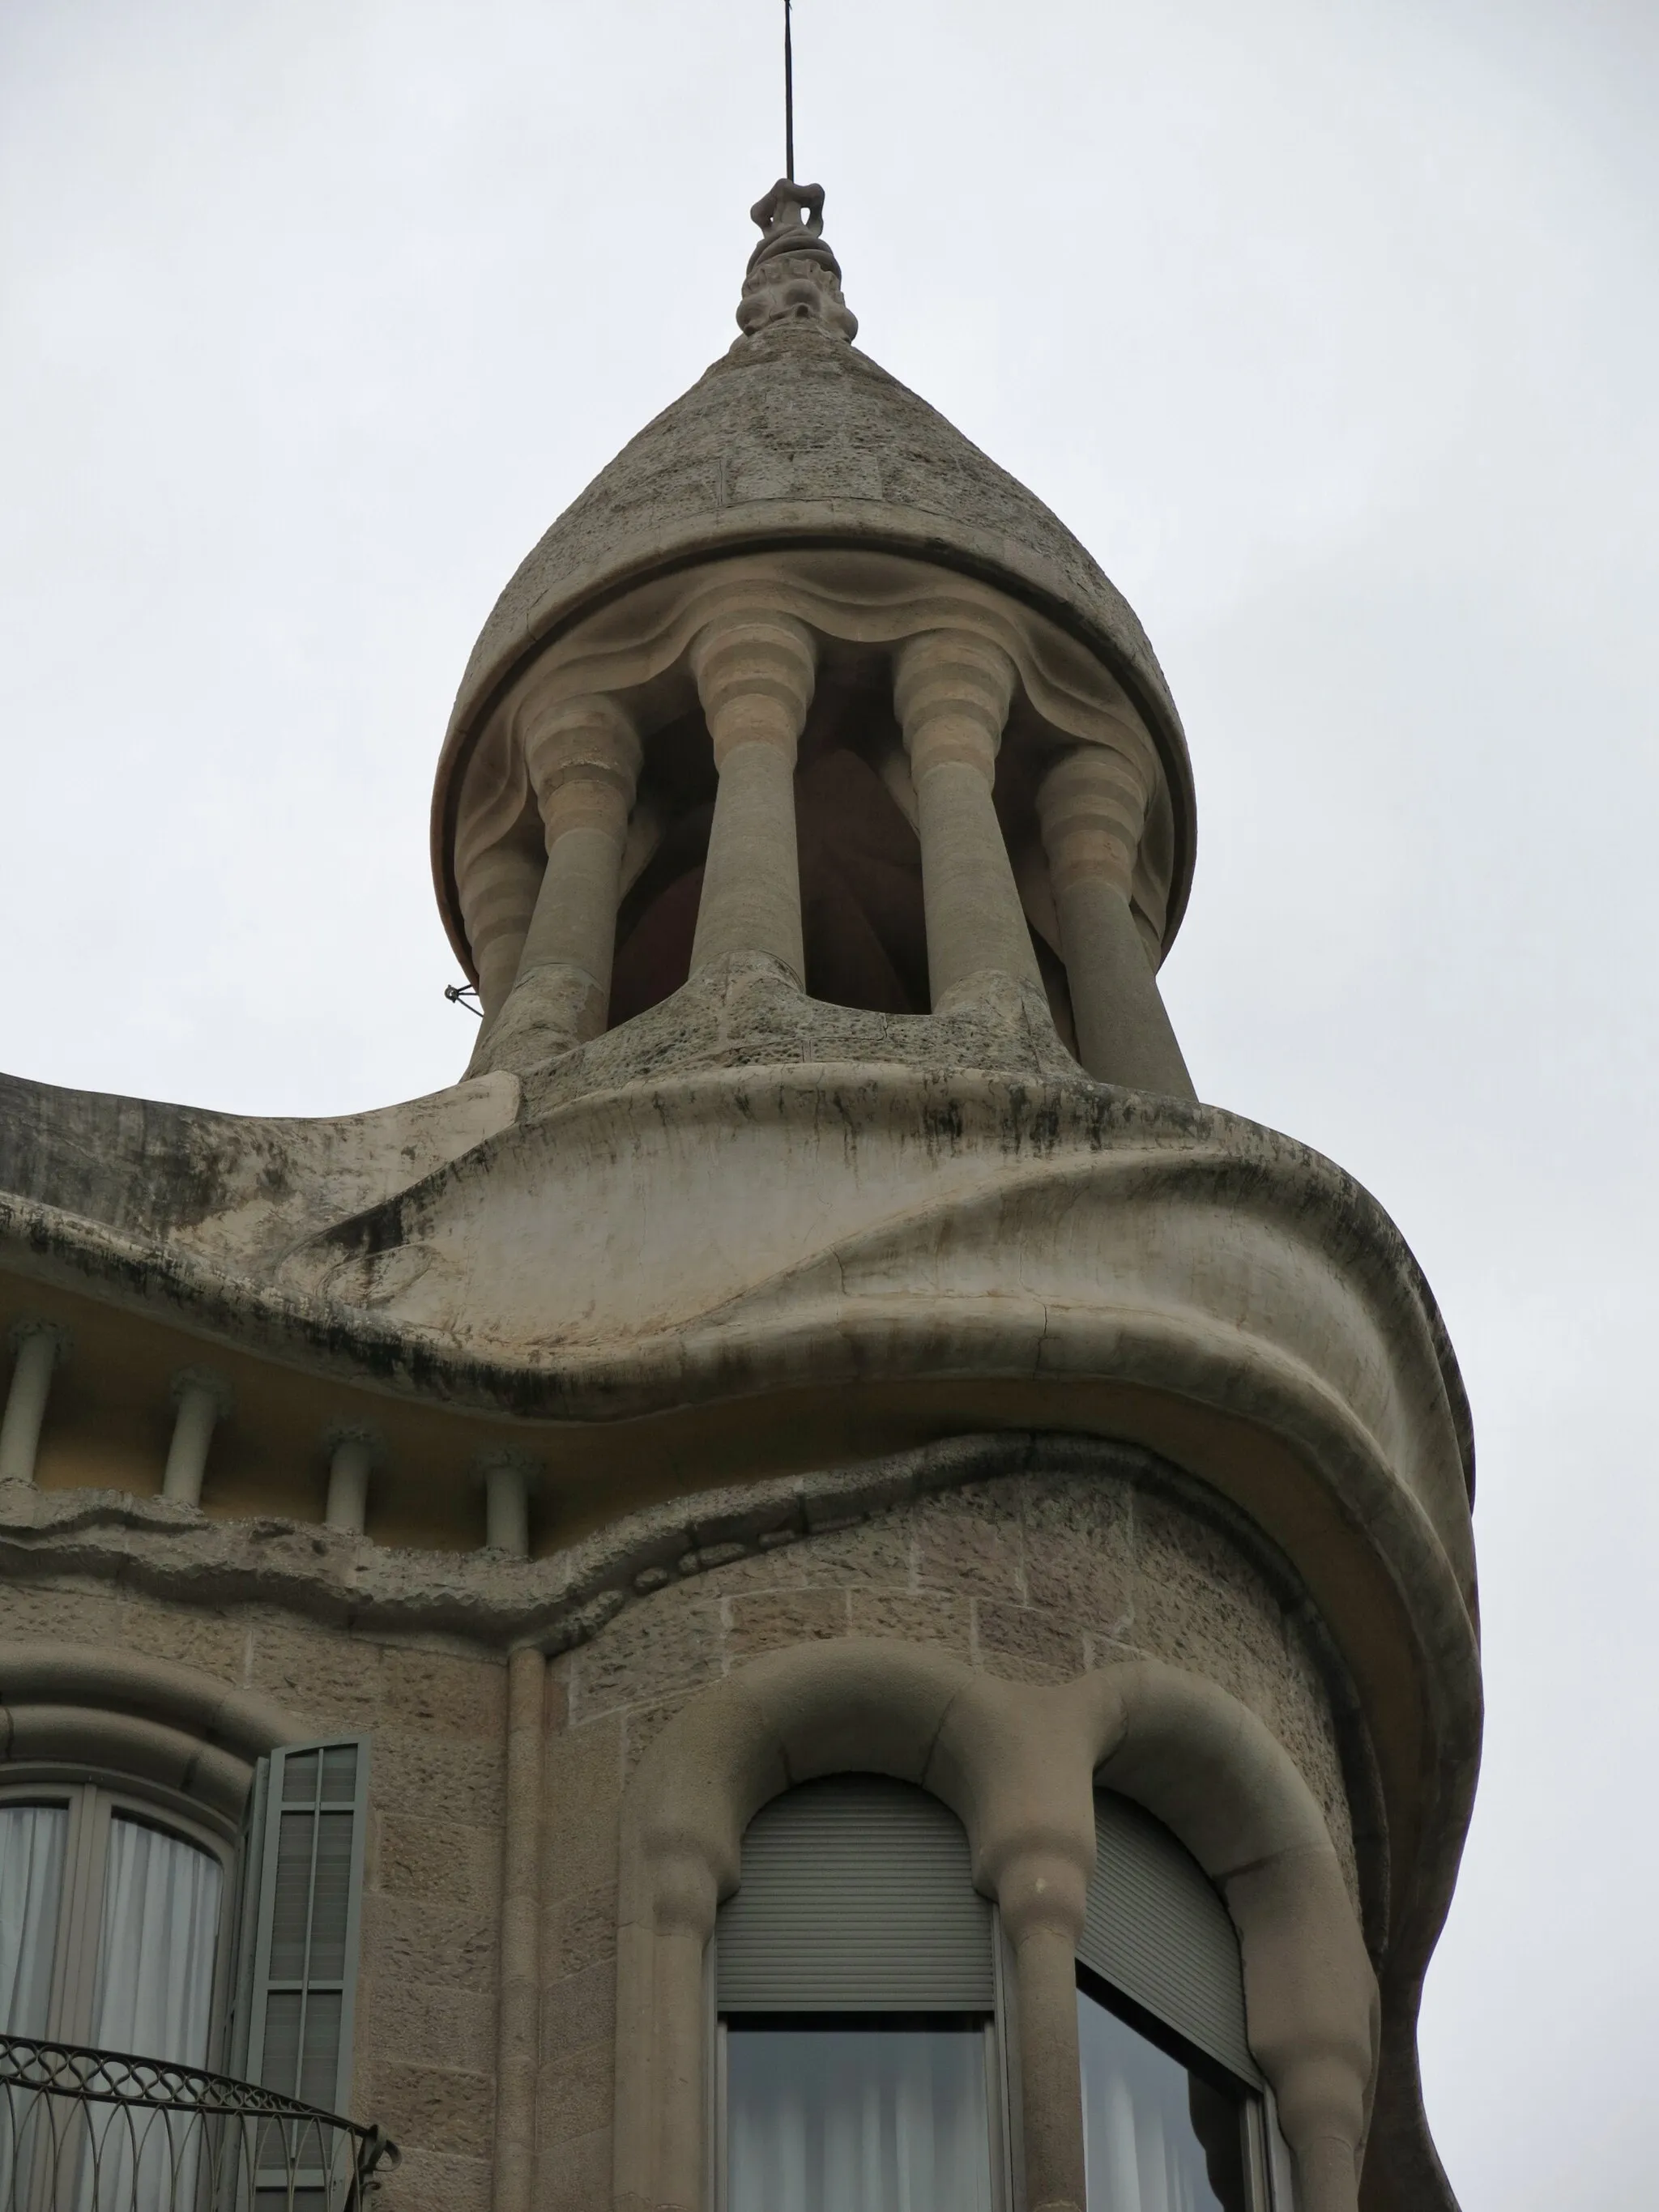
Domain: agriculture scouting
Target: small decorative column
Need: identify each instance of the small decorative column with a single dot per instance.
(1092, 806)
(39, 1346)
(507, 1478)
(952, 692)
(202, 1400)
(583, 756)
(755, 672)
(353, 1455)
(498, 900)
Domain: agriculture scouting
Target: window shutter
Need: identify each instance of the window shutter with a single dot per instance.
(1157, 1929)
(309, 1881)
(856, 1896)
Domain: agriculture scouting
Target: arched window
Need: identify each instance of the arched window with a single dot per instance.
(855, 1983)
(113, 1919)
(1173, 2103)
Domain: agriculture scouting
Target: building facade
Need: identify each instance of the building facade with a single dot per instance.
(814, 1591)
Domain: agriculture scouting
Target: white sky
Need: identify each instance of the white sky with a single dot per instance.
(1331, 329)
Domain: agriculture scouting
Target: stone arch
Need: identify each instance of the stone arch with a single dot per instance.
(149, 1718)
(1017, 1762)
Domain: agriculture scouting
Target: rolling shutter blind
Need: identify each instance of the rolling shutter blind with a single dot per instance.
(1157, 1929)
(856, 1896)
(305, 1950)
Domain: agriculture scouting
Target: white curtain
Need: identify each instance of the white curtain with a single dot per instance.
(32, 1839)
(153, 1998)
(1142, 2152)
(857, 2120)
(156, 1944)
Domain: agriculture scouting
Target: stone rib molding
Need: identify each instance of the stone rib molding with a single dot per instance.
(1017, 1762)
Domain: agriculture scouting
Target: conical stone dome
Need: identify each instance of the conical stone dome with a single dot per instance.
(796, 437)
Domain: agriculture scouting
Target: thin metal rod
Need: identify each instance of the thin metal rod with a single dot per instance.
(789, 96)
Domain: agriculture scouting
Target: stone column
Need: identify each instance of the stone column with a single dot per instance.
(498, 899)
(518, 1974)
(1042, 1894)
(755, 672)
(508, 1479)
(1092, 806)
(583, 756)
(203, 1400)
(353, 1455)
(39, 1346)
(951, 693)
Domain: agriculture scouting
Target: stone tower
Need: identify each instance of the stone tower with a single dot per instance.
(815, 1591)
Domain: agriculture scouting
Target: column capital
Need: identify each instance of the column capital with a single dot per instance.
(1092, 805)
(952, 691)
(755, 669)
(588, 739)
(211, 1385)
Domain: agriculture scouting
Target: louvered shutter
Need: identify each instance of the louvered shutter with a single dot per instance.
(856, 1896)
(1157, 1929)
(305, 1952)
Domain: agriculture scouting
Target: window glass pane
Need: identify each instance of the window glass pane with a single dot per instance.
(857, 2119)
(1157, 2137)
(31, 1840)
(159, 1933)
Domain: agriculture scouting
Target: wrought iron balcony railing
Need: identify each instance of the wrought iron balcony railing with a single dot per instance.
(99, 2131)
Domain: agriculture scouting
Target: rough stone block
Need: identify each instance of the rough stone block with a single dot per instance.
(969, 1542)
(579, 2178)
(406, 1943)
(38, 1611)
(574, 2095)
(216, 1643)
(434, 2181)
(420, 2025)
(580, 1930)
(444, 1691)
(583, 1781)
(877, 1553)
(778, 1618)
(436, 1778)
(666, 1644)
(579, 2009)
(328, 1676)
(1079, 1551)
(1023, 1645)
(440, 1860)
(927, 1617)
(439, 2107)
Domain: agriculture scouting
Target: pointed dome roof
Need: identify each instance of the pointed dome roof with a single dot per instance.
(795, 437)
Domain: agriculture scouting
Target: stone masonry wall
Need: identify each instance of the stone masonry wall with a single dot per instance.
(1035, 1578)
(435, 1716)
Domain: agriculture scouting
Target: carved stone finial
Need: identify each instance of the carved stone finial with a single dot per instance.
(793, 275)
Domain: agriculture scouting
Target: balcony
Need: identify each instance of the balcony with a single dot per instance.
(86, 2130)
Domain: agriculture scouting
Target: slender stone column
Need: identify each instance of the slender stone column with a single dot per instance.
(353, 1455)
(1092, 806)
(40, 1346)
(498, 899)
(1041, 1895)
(755, 672)
(951, 693)
(203, 1400)
(584, 761)
(507, 1478)
(519, 1972)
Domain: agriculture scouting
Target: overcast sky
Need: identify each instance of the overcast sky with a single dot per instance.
(1333, 330)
